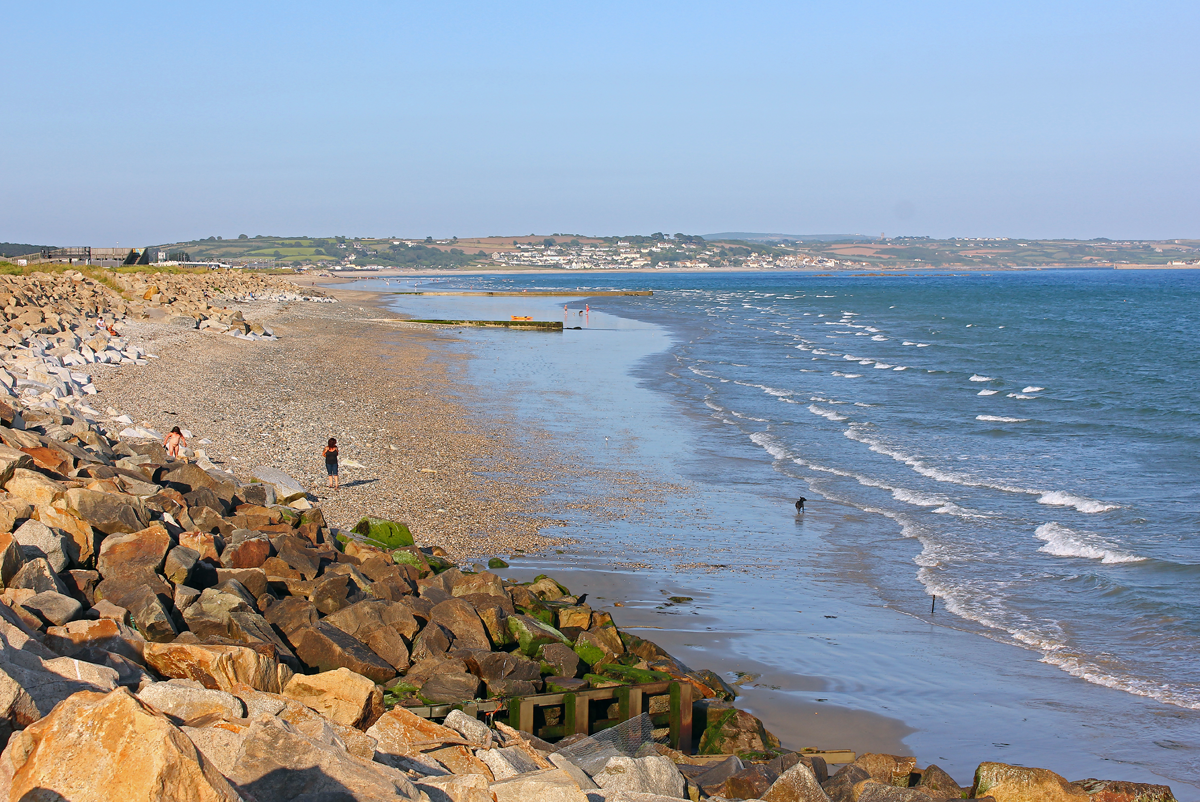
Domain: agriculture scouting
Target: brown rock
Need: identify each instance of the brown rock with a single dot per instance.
(109, 512)
(218, 666)
(340, 695)
(730, 731)
(34, 487)
(203, 543)
(11, 558)
(254, 580)
(293, 552)
(888, 769)
(326, 647)
(114, 731)
(292, 615)
(87, 539)
(485, 583)
(38, 576)
(402, 734)
(248, 553)
(134, 554)
(443, 688)
(1118, 791)
(463, 622)
(939, 784)
(1019, 784)
(332, 592)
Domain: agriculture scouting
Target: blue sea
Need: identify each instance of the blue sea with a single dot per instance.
(1018, 450)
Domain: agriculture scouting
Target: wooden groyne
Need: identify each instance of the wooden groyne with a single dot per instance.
(532, 325)
(534, 293)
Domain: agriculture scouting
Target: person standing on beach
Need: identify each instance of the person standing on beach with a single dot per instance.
(331, 461)
(175, 443)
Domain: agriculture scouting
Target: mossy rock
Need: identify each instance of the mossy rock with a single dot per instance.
(589, 653)
(496, 563)
(438, 564)
(289, 515)
(389, 534)
(543, 614)
(733, 732)
(532, 634)
(635, 676)
(597, 681)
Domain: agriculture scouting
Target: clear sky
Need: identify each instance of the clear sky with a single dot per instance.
(139, 123)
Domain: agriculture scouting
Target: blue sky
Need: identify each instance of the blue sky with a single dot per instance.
(151, 122)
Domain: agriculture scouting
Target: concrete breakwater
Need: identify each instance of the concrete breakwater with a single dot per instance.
(221, 631)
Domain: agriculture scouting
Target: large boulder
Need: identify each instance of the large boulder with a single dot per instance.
(653, 774)
(111, 513)
(531, 634)
(287, 489)
(380, 624)
(385, 533)
(35, 488)
(548, 785)
(219, 666)
(401, 735)
(888, 769)
(1020, 784)
(730, 731)
(188, 701)
(797, 784)
(39, 540)
(134, 554)
(326, 647)
(463, 622)
(1119, 791)
(100, 747)
(278, 761)
(341, 696)
(10, 460)
(12, 558)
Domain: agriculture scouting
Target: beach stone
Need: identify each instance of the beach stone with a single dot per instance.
(875, 791)
(247, 553)
(54, 609)
(81, 584)
(108, 512)
(218, 744)
(447, 688)
(277, 570)
(732, 731)
(937, 783)
(653, 774)
(203, 543)
(370, 622)
(209, 614)
(12, 559)
(531, 634)
(888, 769)
(218, 666)
(35, 488)
(12, 458)
(253, 580)
(325, 647)
(293, 552)
(560, 659)
(292, 615)
(751, 782)
(111, 732)
(38, 576)
(433, 641)
(547, 785)
(456, 788)
(187, 700)
(134, 554)
(85, 540)
(391, 534)
(332, 592)
(341, 695)
(470, 728)
(797, 784)
(484, 583)
(463, 622)
(39, 540)
(1020, 784)
(179, 564)
(250, 627)
(277, 761)
(1119, 791)
(204, 519)
(593, 650)
(402, 734)
(509, 761)
(287, 489)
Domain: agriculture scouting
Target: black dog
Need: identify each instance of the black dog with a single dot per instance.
(800, 504)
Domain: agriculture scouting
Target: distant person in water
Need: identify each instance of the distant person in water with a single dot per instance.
(800, 504)
(175, 443)
(331, 463)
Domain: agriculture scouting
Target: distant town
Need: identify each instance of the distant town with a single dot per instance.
(737, 250)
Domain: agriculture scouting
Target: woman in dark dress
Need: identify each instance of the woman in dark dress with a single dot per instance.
(331, 463)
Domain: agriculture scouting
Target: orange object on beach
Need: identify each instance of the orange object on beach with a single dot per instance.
(526, 317)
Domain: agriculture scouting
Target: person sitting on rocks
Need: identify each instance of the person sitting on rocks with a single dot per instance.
(175, 443)
(331, 461)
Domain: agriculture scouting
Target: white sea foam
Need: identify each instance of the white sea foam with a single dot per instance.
(916, 498)
(857, 432)
(866, 361)
(1021, 396)
(1001, 419)
(988, 392)
(872, 329)
(852, 375)
(882, 366)
(922, 345)
(909, 342)
(900, 367)
(861, 404)
(1059, 498)
(850, 358)
(1064, 542)
(975, 377)
(828, 414)
(770, 444)
(879, 338)
(1032, 389)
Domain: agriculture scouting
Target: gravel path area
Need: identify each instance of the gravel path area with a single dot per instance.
(393, 398)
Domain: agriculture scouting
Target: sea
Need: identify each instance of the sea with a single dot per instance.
(1000, 544)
